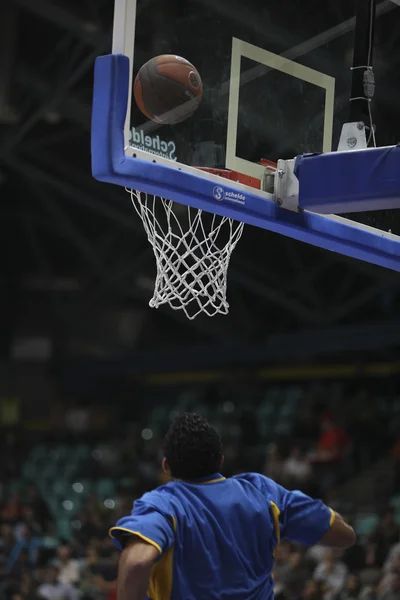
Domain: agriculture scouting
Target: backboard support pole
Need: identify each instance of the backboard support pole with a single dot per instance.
(363, 58)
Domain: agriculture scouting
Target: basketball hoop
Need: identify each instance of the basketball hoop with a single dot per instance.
(192, 250)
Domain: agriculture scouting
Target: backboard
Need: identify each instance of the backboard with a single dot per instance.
(277, 84)
(256, 103)
(277, 79)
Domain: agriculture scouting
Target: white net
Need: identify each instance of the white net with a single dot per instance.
(192, 250)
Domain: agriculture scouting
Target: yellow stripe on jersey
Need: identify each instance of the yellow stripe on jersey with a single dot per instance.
(275, 516)
(333, 517)
(139, 535)
(160, 586)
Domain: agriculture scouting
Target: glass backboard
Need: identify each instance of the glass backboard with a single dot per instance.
(276, 78)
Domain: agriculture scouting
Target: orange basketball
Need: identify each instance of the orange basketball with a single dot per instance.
(168, 89)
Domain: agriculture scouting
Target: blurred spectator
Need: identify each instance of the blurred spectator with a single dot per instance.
(12, 509)
(297, 574)
(11, 447)
(86, 561)
(354, 590)
(396, 464)
(394, 552)
(41, 513)
(68, 567)
(332, 449)
(393, 593)
(371, 572)
(108, 456)
(312, 590)
(366, 429)
(29, 521)
(28, 587)
(77, 418)
(332, 573)
(89, 568)
(389, 582)
(273, 466)
(249, 427)
(306, 426)
(385, 535)
(316, 554)
(355, 557)
(332, 443)
(26, 542)
(296, 469)
(91, 526)
(7, 543)
(282, 566)
(55, 589)
(18, 567)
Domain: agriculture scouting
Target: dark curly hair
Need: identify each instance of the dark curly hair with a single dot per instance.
(192, 447)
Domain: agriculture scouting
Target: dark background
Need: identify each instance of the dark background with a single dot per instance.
(74, 253)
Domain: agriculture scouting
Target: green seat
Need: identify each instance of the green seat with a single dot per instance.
(283, 426)
(15, 485)
(39, 452)
(126, 482)
(366, 524)
(54, 504)
(82, 452)
(287, 410)
(29, 471)
(70, 469)
(49, 471)
(64, 528)
(50, 543)
(265, 428)
(105, 488)
(61, 487)
(266, 409)
(294, 394)
(59, 453)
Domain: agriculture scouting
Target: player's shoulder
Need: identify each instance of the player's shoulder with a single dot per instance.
(160, 498)
(258, 481)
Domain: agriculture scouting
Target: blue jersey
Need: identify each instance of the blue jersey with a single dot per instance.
(216, 537)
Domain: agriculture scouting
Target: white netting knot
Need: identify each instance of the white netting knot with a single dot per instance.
(192, 249)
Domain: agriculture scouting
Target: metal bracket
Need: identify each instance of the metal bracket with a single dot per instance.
(286, 185)
(352, 137)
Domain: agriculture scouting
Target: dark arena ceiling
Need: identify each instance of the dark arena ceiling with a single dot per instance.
(76, 264)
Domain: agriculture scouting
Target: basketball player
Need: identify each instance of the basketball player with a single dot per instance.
(202, 536)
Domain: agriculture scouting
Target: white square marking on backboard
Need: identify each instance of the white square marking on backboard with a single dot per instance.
(279, 63)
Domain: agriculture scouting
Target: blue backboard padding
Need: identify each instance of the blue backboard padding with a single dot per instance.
(110, 164)
(345, 182)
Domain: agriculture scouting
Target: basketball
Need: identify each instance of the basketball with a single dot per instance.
(168, 89)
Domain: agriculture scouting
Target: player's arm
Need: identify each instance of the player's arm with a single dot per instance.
(137, 560)
(143, 537)
(339, 535)
(301, 519)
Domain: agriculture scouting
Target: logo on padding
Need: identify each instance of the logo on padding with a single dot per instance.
(218, 193)
(221, 194)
